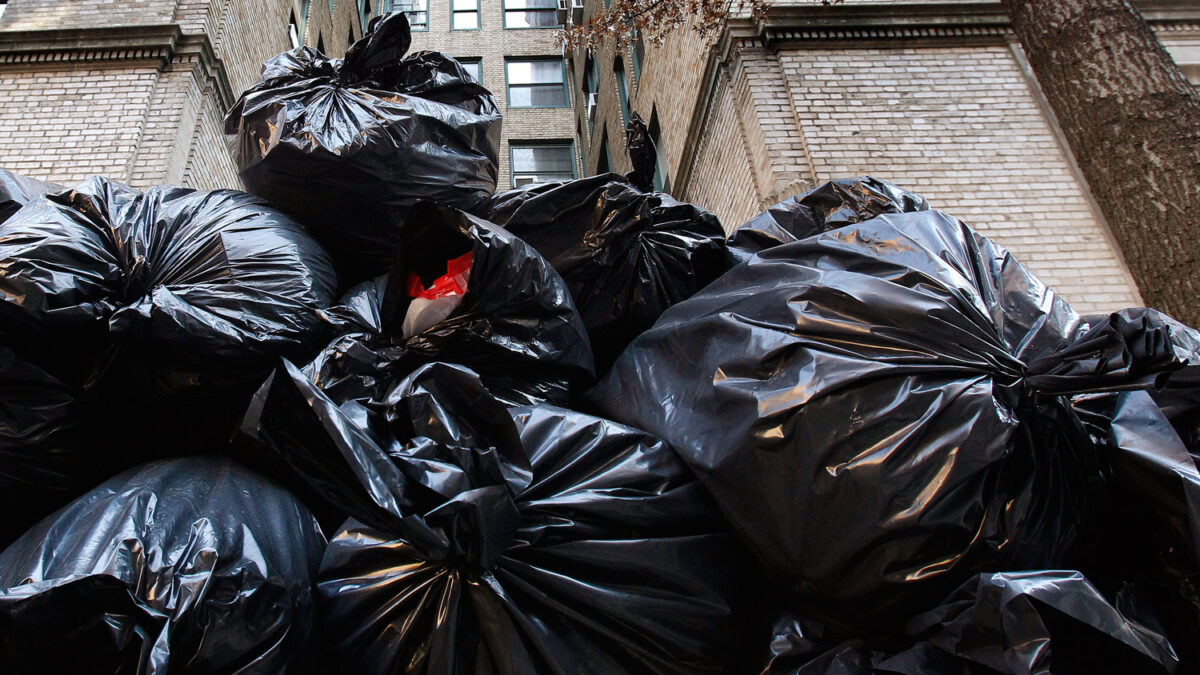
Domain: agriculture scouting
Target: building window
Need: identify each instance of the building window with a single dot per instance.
(464, 14)
(537, 84)
(604, 165)
(639, 52)
(417, 11)
(293, 31)
(542, 163)
(474, 68)
(320, 43)
(591, 88)
(530, 14)
(622, 89)
(662, 183)
(364, 16)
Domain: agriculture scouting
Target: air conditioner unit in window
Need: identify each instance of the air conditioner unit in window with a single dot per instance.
(569, 12)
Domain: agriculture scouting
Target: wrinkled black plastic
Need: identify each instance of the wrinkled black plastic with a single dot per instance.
(135, 318)
(16, 191)
(1019, 623)
(828, 206)
(182, 566)
(627, 253)
(516, 325)
(346, 146)
(533, 541)
(874, 411)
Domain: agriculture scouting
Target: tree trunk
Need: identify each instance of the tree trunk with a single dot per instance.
(1133, 122)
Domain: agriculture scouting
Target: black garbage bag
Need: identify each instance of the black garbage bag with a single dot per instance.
(16, 191)
(626, 252)
(536, 540)
(49, 453)
(168, 307)
(870, 408)
(831, 205)
(346, 146)
(1019, 623)
(191, 565)
(515, 324)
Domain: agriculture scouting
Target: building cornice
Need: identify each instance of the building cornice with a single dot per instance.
(161, 45)
(914, 24)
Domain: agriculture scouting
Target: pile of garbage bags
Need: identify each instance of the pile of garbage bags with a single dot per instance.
(375, 417)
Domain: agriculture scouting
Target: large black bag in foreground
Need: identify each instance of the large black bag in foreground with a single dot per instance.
(346, 146)
(182, 566)
(533, 541)
(881, 410)
(1019, 623)
(142, 317)
(16, 191)
(626, 252)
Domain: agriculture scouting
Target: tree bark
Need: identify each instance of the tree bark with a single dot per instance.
(1133, 122)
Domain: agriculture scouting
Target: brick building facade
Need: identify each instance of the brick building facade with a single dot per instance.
(137, 89)
(934, 95)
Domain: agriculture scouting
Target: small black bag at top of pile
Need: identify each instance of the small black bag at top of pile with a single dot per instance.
(189, 565)
(626, 252)
(508, 316)
(1016, 623)
(484, 539)
(129, 318)
(346, 146)
(16, 191)
(874, 409)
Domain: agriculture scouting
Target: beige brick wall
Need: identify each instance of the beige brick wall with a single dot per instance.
(65, 125)
(143, 120)
(960, 126)
(961, 122)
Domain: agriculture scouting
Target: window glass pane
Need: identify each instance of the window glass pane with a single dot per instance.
(535, 72)
(530, 19)
(543, 159)
(531, 4)
(537, 96)
(474, 69)
(465, 20)
(461, 5)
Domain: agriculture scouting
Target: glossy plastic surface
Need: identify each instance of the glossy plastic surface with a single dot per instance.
(536, 540)
(183, 566)
(347, 146)
(17, 190)
(881, 410)
(134, 317)
(626, 254)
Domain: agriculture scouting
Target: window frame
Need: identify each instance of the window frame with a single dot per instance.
(389, 6)
(478, 11)
(504, 10)
(542, 59)
(520, 145)
(472, 59)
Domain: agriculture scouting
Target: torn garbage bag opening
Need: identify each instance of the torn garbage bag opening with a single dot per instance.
(190, 565)
(514, 323)
(347, 146)
(536, 540)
